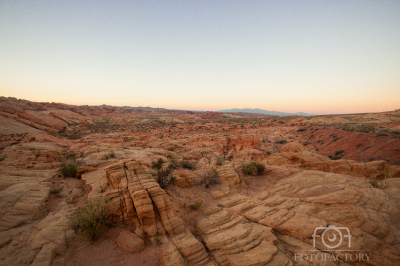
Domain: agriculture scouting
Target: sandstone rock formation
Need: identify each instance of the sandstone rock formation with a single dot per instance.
(138, 199)
(299, 204)
(25, 237)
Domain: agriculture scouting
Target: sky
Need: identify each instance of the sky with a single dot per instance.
(309, 56)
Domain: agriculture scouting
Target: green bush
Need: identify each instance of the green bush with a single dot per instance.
(70, 156)
(55, 190)
(367, 128)
(93, 218)
(197, 205)
(375, 183)
(220, 160)
(209, 178)
(164, 178)
(109, 155)
(2, 158)
(69, 169)
(173, 163)
(305, 143)
(253, 168)
(158, 164)
(187, 165)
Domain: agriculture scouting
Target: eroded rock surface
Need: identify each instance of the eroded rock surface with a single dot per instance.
(137, 198)
(299, 204)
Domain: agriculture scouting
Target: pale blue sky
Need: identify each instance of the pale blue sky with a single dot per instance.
(310, 56)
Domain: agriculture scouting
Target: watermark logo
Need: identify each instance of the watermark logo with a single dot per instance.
(335, 243)
(332, 236)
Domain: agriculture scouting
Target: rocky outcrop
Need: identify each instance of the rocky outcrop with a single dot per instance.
(295, 154)
(233, 240)
(137, 198)
(25, 237)
(297, 205)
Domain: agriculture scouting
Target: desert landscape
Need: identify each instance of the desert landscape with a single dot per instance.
(199, 133)
(197, 188)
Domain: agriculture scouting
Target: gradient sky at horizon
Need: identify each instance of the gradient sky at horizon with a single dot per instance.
(311, 56)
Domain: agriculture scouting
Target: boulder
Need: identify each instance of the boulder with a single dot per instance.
(130, 242)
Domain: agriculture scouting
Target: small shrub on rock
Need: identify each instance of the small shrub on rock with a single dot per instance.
(164, 178)
(367, 128)
(69, 169)
(220, 160)
(109, 155)
(93, 219)
(157, 164)
(173, 163)
(197, 205)
(209, 177)
(253, 168)
(187, 165)
(55, 190)
(375, 183)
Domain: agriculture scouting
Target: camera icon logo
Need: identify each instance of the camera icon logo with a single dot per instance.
(333, 235)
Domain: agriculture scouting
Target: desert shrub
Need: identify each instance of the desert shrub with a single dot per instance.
(69, 169)
(70, 156)
(197, 205)
(157, 164)
(367, 128)
(359, 145)
(55, 190)
(268, 152)
(2, 158)
(335, 157)
(173, 163)
(396, 132)
(109, 155)
(283, 141)
(381, 134)
(92, 219)
(220, 160)
(375, 183)
(253, 168)
(187, 165)
(305, 143)
(301, 129)
(339, 152)
(209, 178)
(164, 178)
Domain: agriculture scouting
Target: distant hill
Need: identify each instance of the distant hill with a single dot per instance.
(137, 108)
(260, 111)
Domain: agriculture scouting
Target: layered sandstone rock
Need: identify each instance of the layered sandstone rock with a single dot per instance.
(235, 241)
(137, 198)
(295, 154)
(25, 237)
(297, 205)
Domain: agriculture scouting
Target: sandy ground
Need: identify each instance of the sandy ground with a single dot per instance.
(105, 252)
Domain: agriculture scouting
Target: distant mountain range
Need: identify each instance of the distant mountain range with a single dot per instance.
(235, 110)
(137, 108)
(261, 111)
